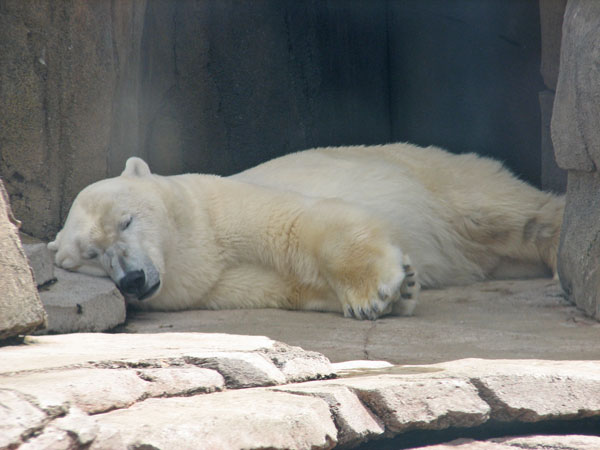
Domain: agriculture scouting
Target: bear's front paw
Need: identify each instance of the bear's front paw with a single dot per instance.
(396, 294)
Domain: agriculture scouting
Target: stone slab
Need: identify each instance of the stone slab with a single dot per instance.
(535, 390)
(21, 311)
(415, 403)
(229, 420)
(135, 350)
(354, 421)
(531, 319)
(155, 391)
(82, 303)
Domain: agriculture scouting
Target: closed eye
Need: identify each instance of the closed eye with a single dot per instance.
(125, 224)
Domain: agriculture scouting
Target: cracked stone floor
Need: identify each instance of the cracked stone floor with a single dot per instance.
(518, 319)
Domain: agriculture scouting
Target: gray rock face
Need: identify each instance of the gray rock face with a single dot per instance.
(69, 75)
(575, 130)
(576, 138)
(21, 311)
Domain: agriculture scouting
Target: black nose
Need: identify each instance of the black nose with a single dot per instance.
(133, 282)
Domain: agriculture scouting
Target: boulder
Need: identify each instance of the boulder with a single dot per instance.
(21, 311)
(576, 138)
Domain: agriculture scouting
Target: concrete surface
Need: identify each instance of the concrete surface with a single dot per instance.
(188, 390)
(496, 319)
(78, 302)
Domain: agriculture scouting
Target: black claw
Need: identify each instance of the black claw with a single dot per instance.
(410, 283)
(406, 267)
(407, 296)
(410, 274)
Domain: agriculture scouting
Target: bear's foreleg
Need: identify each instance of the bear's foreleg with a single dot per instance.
(319, 246)
(353, 252)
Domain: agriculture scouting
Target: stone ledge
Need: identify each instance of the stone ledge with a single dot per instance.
(82, 303)
(161, 390)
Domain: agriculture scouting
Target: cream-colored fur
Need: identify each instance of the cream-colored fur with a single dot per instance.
(326, 229)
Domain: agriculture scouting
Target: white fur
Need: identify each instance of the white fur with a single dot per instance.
(326, 229)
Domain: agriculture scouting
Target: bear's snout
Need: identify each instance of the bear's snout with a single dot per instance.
(133, 283)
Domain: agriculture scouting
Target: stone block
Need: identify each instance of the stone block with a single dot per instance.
(21, 311)
(554, 178)
(78, 302)
(355, 422)
(415, 403)
(575, 130)
(533, 391)
(41, 261)
(551, 20)
(255, 418)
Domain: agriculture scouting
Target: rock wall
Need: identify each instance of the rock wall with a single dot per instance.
(218, 86)
(69, 81)
(576, 138)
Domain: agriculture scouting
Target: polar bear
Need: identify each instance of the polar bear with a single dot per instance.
(357, 230)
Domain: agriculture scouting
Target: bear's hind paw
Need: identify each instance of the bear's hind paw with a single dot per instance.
(409, 292)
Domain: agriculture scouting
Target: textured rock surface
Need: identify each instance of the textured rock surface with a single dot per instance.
(69, 75)
(230, 420)
(534, 391)
(21, 311)
(177, 390)
(421, 403)
(82, 303)
(575, 130)
(576, 138)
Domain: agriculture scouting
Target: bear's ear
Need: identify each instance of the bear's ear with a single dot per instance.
(136, 167)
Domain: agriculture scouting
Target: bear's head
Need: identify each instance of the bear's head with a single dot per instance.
(117, 228)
